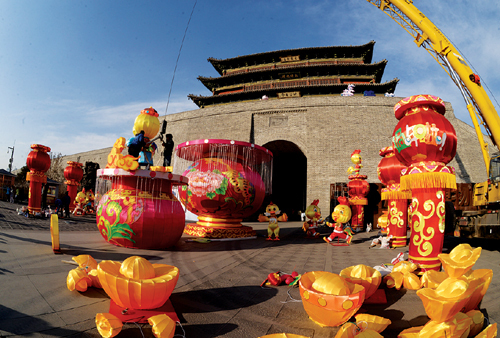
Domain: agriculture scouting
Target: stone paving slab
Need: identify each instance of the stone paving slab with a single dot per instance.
(218, 293)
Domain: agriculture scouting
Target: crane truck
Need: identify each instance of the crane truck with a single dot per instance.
(482, 219)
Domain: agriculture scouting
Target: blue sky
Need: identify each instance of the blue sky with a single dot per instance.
(75, 74)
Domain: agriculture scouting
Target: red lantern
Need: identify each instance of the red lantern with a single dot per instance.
(389, 172)
(358, 189)
(73, 174)
(425, 141)
(38, 162)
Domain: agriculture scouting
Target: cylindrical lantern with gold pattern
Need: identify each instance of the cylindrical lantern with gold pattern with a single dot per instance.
(38, 162)
(73, 174)
(425, 141)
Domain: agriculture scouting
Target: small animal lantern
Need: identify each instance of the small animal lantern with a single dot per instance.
(356, 160)
(341, 215)
(80, 201)
(313, 212)
(271, 214)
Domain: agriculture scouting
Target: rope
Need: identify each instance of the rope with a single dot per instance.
(183, 335)
(178, 56)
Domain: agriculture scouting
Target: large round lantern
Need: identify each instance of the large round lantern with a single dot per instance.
(137, 209)
(389, 172)
(73, 174)
(425, 141)
(38, 163)
(227, 183)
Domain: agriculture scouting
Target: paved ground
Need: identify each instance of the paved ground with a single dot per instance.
(218, 293)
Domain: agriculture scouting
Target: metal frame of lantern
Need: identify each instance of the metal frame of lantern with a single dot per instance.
(73, 174)
(137, 209)
(358, 189)
(425, 141)
(38, 162)
(389, 172)
(228, 181)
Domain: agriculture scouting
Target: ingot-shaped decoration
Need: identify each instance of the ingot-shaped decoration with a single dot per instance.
(375, 323)
(489, 332)
(78, 280)
(108, 325)
(73, 174)
(389, 173)
(38, 162)
(425, 141)
(456, 327)
(477, 323)
(402, 275)
(328, 298)
(432, 278)
(460, 260)
(363, 275)
(479, 281)
(136, 283)
(162, 325)
(444, 302)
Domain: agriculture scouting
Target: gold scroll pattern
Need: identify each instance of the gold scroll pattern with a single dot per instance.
(396, 216)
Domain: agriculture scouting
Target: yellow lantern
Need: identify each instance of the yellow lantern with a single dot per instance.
(432, 278)
(477, 318)
(412, 332)
(459, 260)
(328, 298)
(108, 325)
(457, 327)
(479, 281)
(136, 283)
(86, 262)
(363, 275)
(54, 233)
(375, 323)
(283, 335)
(163, 326)
(446, 300)
(78, 280)
(489, 332)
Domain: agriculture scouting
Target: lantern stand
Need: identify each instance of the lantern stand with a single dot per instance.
(425, 141)
(38, 162)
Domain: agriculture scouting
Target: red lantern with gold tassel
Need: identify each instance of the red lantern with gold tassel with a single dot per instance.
(425, 141)
(73, 174)
(358, 189)
(389, 172)
(38, 162)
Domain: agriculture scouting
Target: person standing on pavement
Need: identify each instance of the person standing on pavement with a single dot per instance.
(66, 202)
(11, 194)
(168, 148)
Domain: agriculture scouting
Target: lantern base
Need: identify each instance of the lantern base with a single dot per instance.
(198, 230)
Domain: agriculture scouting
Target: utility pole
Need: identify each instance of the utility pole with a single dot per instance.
(11, 158)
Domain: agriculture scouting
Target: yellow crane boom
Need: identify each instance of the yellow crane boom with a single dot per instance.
(428, 36)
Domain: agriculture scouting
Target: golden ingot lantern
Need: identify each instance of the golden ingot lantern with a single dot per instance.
(402, 275)
(446, 300)
(425, 141)
(456, 327)
(479, 282)
(489, 332)
(412, 332)
(363, 275)
(78, 280)
(86, 262)
(38, 162)
(108, 325)
(136, 283)
(432, 278)
(328, 298)
(476, 325)
(459, 260)
(162, 325)
(389, 173)
(375, 323)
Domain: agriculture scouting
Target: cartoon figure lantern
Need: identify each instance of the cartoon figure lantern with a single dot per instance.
(73, 174)
(341, 215)
(272, 215)
(425, 141)
(137, 209)
(313, 212)
(358, 189)
(38, 162)
(227, 182)
(146, 126)
(389, 171)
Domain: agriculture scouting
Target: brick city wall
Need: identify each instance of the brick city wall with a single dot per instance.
(326, 129)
